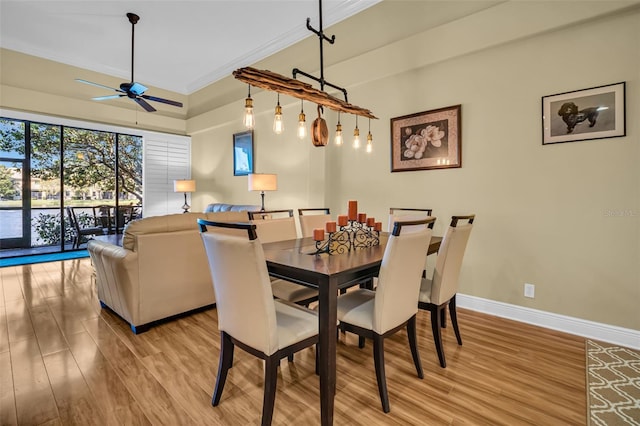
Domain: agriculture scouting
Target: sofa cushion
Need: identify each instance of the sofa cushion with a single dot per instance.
(174, 223)
(224, 207)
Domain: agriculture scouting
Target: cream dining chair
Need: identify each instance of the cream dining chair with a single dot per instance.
(311, 219)
(440, 290)
(394, 305)
(248, 315)
(403, 214)
(270, 229)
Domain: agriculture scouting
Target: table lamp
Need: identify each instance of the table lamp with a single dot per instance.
(263, 182)
(184, 185)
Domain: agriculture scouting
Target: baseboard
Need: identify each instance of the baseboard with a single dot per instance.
(593, 330)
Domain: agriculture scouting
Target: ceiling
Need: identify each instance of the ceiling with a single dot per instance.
(180, 46)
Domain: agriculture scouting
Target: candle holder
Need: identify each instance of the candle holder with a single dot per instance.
(349, 237)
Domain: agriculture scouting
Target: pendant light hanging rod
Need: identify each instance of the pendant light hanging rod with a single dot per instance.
(322, 38)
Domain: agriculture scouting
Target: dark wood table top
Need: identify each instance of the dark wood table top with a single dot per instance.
(299, 255)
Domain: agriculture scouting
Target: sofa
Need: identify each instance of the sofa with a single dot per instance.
(160, 271)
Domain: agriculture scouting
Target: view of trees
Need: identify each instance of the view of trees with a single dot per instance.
(89, 156)
(7, 191)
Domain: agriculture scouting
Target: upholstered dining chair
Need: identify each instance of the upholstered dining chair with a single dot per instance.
(404, 214)
(271, 228)
(311, 219)
(378, 314)
(440, 290)
(248, 315)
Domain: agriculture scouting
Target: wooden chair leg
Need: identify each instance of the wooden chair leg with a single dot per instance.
(454, 318)
(411, 332)
(437, 336)
(290, 358)
(226, 360)
(378, 358)
(443, 318)
(361, 342)
(317, 362)
(270, 384)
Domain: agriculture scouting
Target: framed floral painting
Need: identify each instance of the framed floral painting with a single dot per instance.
(427, 140)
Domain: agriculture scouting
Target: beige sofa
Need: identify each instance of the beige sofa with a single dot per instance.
(160, 271)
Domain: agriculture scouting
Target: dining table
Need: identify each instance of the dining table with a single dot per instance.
(298, 261)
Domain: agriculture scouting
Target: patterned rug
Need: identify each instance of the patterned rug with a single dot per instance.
(613, 384)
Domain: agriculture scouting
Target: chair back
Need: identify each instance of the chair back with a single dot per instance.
(396, 298)
(244, 300)
(270, 214)
(73, 220)
(405, 214)
(447, 270)
(311, 219)
(271, 229)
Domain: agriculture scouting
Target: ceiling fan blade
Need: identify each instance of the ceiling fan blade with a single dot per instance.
(104, 98)
(144, 104)
(79, 80)
(164, 101)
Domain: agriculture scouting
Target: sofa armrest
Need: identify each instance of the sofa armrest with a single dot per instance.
(116, 278)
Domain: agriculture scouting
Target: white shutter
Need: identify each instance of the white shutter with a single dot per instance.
(166, 158)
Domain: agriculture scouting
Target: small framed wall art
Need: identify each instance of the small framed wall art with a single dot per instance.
(243, 153)
(595, 113)
(427, 140)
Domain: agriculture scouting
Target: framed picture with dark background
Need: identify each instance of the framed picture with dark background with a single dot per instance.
(427, 140)
(243, 153)
(595, 113)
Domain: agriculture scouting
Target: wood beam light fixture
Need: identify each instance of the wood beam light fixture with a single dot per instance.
(275, 82)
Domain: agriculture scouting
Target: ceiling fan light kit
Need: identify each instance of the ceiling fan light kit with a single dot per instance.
(272, 81)
(133, 90)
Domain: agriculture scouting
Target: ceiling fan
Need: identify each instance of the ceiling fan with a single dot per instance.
(132, 90)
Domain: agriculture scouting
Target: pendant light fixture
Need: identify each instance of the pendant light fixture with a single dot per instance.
(269, 80)
(369, 139)
(356, 136)
(338, 139)
(302, 125)
(249, 121)
(278, 125)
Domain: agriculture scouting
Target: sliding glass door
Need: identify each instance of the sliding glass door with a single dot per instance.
(45, 168)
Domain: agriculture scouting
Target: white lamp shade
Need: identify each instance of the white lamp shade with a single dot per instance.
(263, 182)
(184, 185)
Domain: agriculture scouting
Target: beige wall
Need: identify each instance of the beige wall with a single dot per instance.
(543, 212)
(563, 217)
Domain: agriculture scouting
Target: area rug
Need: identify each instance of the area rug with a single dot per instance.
(613, 384)
(40, 258)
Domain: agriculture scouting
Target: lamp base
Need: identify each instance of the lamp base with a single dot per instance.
(185, 206)
(262, 195)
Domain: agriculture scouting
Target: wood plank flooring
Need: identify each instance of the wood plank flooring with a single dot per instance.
(64, 361)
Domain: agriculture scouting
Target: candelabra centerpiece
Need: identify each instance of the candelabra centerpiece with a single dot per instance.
(351, 232)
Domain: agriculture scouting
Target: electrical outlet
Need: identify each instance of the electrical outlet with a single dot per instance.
(529, 290)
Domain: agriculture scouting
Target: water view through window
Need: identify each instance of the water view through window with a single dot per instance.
(52, 175)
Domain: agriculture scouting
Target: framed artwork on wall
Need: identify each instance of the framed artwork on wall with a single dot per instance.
(243, 153)
(427, 140)
(595, 113)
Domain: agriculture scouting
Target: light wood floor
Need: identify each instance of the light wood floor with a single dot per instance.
(63, 360)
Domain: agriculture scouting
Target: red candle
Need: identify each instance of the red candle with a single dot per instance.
(342, 220)
(353, 209)
(318, 234)
(371, 221)
(378, 226)
(331, 227)
(362, 217)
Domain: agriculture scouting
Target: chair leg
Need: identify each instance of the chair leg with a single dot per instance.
(443, 318)
(437, 336)
(411, 332)
(270, 384)
(226, 360)
(454, 318)
(290, 358)
(378, 358)
(361, 341)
